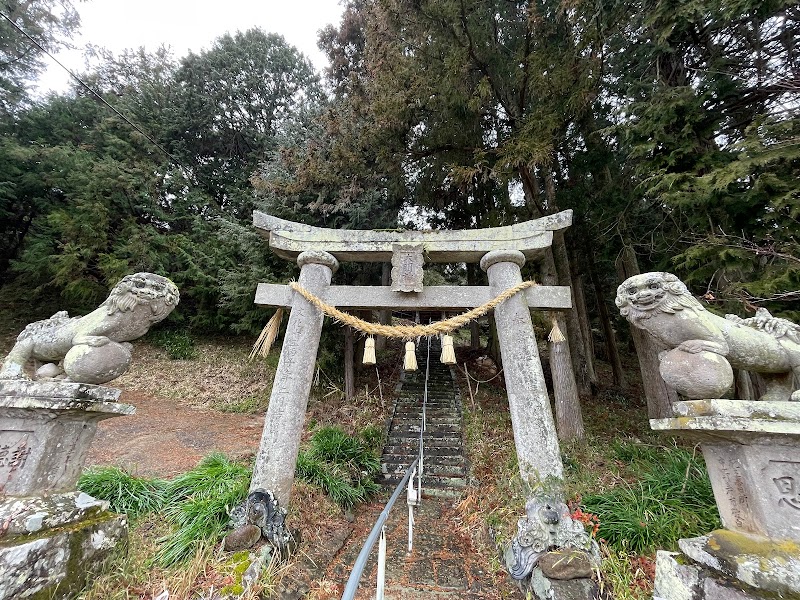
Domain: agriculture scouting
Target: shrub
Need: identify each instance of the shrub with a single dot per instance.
(126, 493)
(342, 465)
(178, 343)
(198, 504)
(672, 499)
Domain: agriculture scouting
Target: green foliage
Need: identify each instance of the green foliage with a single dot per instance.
(342, 465)
(126, 493)
(197, 503)
(177, 342)
(671, 499)
(51, 23)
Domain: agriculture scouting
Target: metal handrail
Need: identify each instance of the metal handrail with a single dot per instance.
(358, 568)
(378, 530)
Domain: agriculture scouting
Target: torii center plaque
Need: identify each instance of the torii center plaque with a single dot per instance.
(501, 251)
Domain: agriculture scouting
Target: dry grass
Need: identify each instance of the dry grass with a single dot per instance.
(130, 575)
(220, 377)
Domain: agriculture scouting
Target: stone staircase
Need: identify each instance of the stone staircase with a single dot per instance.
(444, 472)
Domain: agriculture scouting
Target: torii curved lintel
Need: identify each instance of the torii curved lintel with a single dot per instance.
(288, 239)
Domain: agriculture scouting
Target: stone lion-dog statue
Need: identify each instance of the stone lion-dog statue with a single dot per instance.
(94, 348)
(704, 346)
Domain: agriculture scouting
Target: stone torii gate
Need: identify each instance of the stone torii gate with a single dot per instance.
(501, 251)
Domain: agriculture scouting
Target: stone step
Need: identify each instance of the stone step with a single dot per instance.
(411, 450)
(431, 423)
(439, 411)
(430, 429)
(427, 439)
(431, 403)
(439, 459)
(429, 468)
(428, 481)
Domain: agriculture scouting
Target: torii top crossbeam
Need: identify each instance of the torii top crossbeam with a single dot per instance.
(288, 239)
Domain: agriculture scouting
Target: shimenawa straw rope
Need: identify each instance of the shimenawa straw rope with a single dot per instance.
(408, 332)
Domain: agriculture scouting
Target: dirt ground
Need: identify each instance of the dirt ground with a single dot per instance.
(167, 437)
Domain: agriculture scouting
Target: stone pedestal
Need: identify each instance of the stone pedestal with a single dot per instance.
(752, 451)
(53, 536)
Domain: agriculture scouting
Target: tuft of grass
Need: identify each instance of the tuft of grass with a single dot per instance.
(373, 437)
(254, 403)
(624, 576)
(671, 499)
(197, 503)
(177, 342)
(341, 464)
(126, 493)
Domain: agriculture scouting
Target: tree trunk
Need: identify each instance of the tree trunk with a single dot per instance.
(384, 316)
(658, 394)
(349, 368)
(494, 343)
(744, 386)
(605, 322)
(583, 318)
(474, 328)
(577, 345)
(569, 418)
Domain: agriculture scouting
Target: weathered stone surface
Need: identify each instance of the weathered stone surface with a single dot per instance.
(280, 442)
(407, 263)
(678, 578)
(241, 538)
(696, 375)
(288, 239)
(766, 565)
(753, 460)
(543, 588)
(733, 409)
(660, 304)
(716, 590)
(44, 441)
(574, 589)
(55, 564)
(529, 404)
(430, 298)
(135, 304)
(675, 581)
(566, 564)
(23, 516)
(93, 364)
(549, 532)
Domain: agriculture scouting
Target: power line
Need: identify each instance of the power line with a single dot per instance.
(95, 93)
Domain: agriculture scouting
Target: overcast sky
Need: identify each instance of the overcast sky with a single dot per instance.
(190, 25)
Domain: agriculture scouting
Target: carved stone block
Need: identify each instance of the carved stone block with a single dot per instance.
(407, 263)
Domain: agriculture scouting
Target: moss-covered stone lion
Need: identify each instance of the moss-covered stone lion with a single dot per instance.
(94, 348)
(661, 304)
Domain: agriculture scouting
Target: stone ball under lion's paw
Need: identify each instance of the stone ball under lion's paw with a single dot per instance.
(697, 375)
(97, 364)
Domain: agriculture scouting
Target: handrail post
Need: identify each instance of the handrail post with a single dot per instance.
(381, 565)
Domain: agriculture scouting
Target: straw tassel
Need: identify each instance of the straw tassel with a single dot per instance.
(410, 362)
(555, 334)
(448, 354)
(268, 335)
(369, 351)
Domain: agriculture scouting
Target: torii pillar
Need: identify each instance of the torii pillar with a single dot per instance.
(535, 435)
(283, 426)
